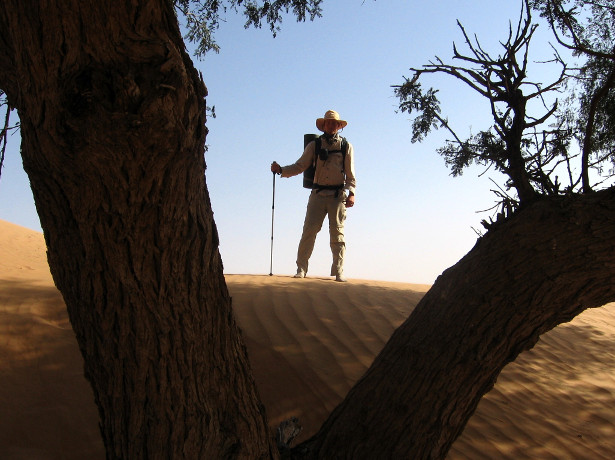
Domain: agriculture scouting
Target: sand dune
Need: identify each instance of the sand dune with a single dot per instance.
(308, 340)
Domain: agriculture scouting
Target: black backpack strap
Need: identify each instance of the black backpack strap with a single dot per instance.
(343, 149)
(344, 152)
(317, 147)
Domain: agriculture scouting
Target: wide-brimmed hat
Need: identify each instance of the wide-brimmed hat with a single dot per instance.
(330, 115)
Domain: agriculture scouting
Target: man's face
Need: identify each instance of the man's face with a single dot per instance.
(331, 126)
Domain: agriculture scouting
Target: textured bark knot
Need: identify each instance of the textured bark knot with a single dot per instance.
(287, 431)
(79, 94)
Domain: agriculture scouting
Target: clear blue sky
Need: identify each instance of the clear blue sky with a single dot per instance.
(412, 220)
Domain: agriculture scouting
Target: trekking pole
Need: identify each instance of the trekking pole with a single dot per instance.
(272, 213)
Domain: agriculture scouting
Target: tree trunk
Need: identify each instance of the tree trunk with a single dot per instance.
(113, 129)
(540, 268)
(517, 168)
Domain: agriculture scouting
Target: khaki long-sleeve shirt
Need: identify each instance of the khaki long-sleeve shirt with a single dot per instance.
(329, 172)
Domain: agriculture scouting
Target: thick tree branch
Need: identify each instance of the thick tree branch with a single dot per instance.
(541, 267)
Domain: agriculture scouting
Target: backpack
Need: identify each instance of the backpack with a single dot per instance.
(308, 174)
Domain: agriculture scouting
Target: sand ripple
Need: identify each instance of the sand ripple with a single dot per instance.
(309, 340)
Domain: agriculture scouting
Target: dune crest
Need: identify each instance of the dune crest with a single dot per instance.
(308, 340)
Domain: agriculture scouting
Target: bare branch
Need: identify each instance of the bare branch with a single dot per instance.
(5, 129)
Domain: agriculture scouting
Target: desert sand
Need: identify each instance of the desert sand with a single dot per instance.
(308, 341)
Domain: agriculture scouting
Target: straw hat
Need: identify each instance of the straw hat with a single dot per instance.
(330, 115)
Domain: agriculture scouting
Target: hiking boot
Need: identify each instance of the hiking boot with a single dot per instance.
(300, 274)
(340, 278)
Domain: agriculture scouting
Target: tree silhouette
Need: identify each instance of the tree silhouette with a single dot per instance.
(591, 118)
(112, 116)
(532, 150)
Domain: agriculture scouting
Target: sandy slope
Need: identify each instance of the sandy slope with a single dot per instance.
(309, 340)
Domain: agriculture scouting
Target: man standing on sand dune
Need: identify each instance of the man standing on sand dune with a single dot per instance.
(332, 191)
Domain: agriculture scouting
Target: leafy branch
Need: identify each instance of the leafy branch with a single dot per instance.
(515, 144)
(595, 41)
(203, 17)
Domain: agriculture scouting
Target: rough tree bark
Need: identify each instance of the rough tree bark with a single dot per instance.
(113, 128)
(542, 267)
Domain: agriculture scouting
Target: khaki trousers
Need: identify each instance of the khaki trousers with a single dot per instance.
(318, 207)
